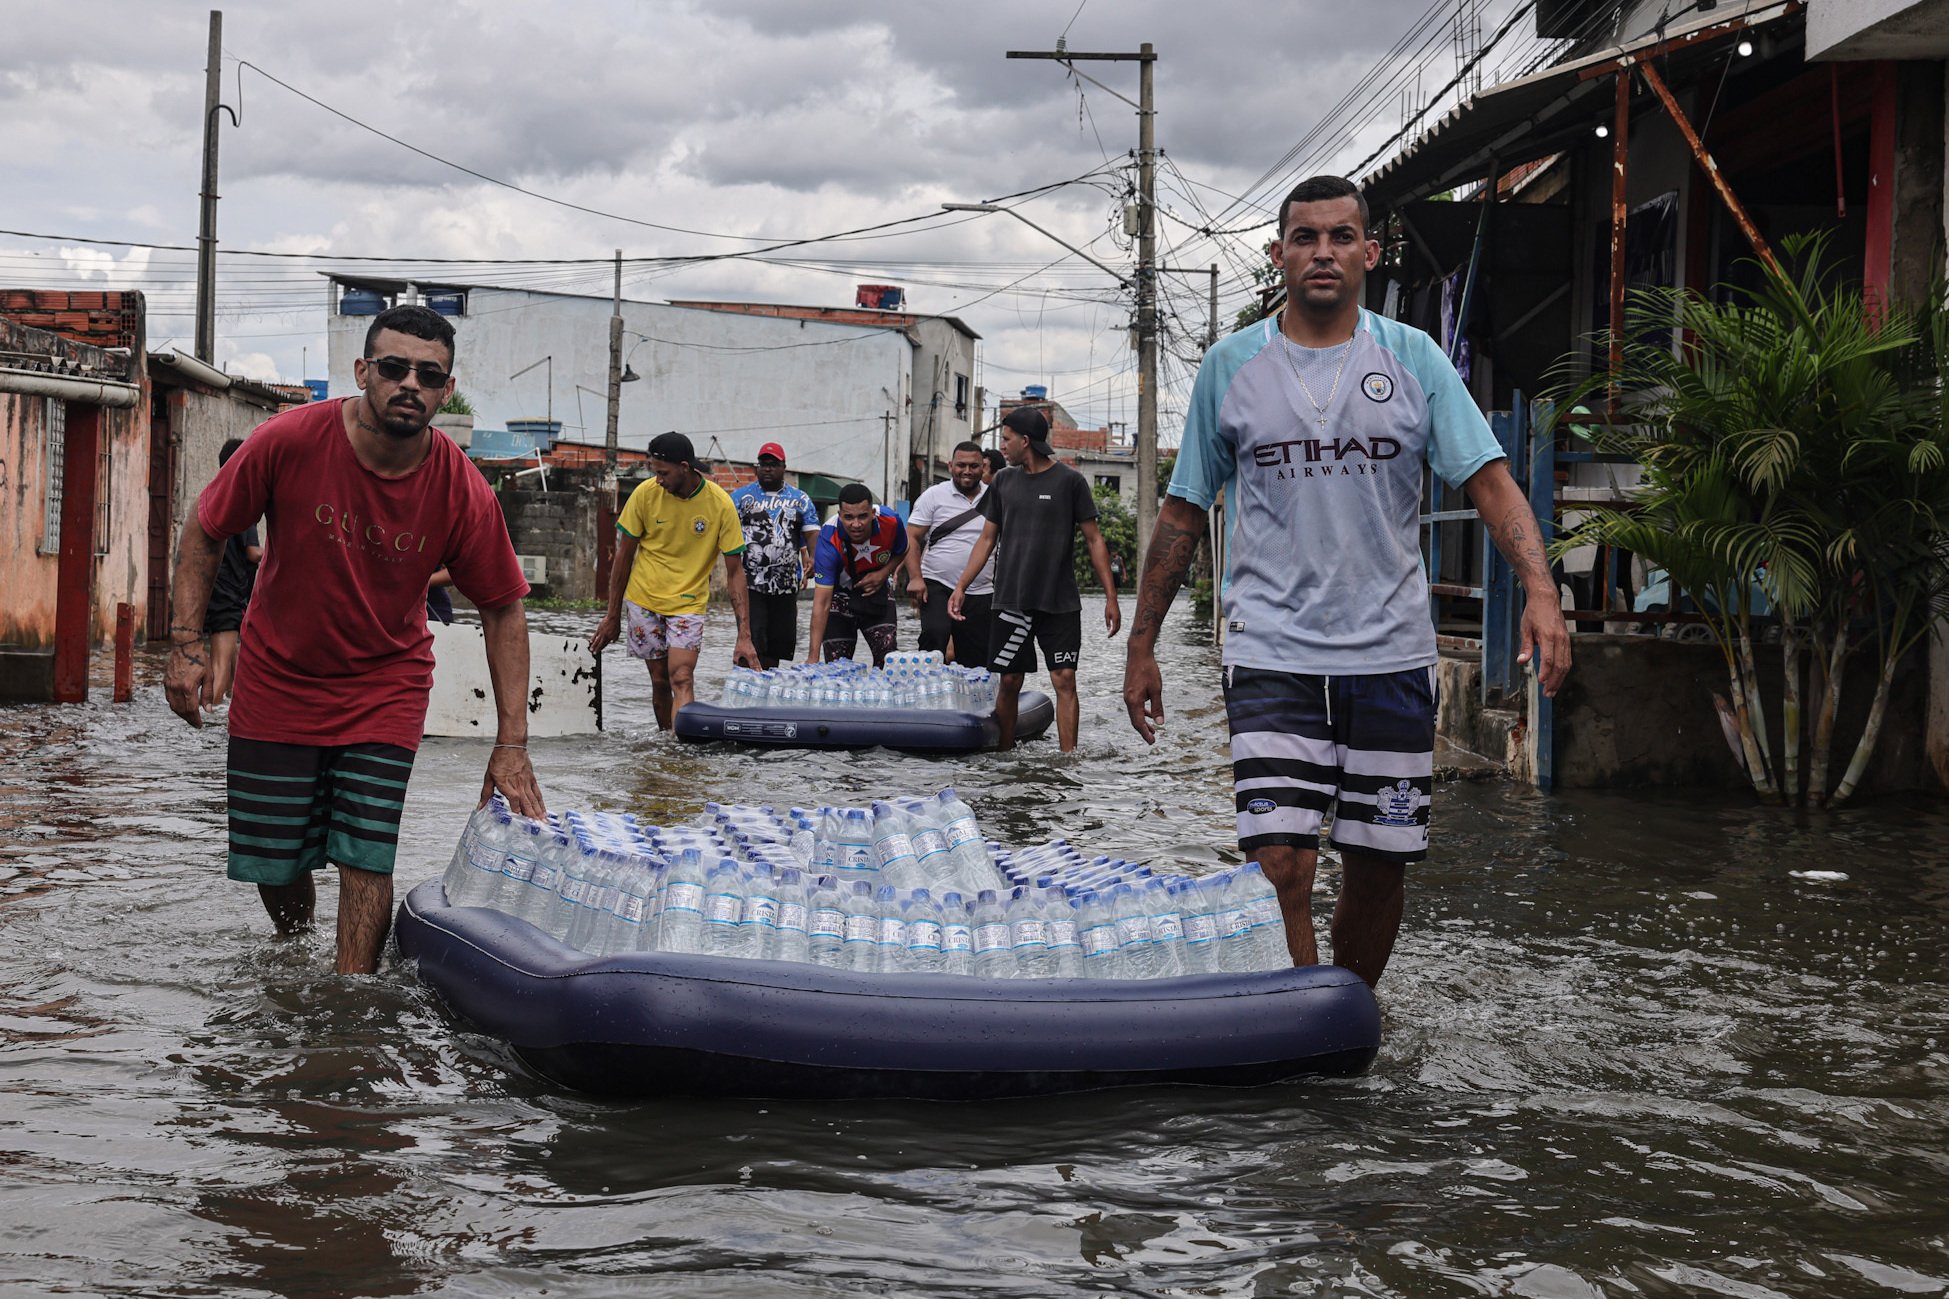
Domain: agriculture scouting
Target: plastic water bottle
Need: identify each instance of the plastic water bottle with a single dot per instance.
(794, 940)
(1133, 932)
(853, 842)
(930, 842)
(531, 874)
(1166, 929)
(993, 943)
(1097, 932)
(957, 935)
(920, 919)
(1234, 929)
(1261, 901)
(1197, 908)
(680, 905)
(522, 849)
(723, 907)
(571, 885)
(862, 931)
(1028, 927)
(473, 878)
(893, 847)
(972, 865)
(825, 923)
(890, 939)
(757, 933)
(629, 916)
(1065, 943)
(598, 898)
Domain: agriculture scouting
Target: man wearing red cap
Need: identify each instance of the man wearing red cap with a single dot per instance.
(780, 523)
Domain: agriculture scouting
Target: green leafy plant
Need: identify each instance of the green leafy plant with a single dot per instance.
(456, 404)
(1119, 528)
(1795, 464)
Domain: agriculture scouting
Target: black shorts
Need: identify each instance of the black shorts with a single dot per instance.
(774, 625)
(851, 619)
(1015, 633)
(970, 635)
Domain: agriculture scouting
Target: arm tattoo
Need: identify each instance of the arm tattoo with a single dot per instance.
(1521, 547)
(1167, 564)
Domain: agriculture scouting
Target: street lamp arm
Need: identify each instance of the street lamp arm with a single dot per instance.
(996, 207)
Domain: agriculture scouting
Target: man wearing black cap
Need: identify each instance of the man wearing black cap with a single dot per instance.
(1037, 506)
(673, 528)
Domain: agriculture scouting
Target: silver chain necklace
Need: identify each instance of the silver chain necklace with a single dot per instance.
(1346, 349)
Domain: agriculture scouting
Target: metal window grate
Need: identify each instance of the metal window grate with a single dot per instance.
(54, 461)
(104, 462)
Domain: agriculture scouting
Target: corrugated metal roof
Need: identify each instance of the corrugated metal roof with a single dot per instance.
(1533, 116)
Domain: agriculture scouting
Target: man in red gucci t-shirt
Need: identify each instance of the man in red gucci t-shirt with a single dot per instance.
(363, 501)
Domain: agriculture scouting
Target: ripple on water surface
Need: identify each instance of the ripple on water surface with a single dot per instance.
(1627, 1052)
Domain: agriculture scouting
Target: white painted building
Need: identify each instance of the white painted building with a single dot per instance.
(847, 400)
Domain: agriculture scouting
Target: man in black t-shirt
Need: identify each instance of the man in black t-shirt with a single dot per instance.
(1035, 508)
(223, 618)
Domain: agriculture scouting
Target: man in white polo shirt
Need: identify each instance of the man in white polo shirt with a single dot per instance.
(941, 530)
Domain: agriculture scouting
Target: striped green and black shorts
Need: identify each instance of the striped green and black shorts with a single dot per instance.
(295, 807)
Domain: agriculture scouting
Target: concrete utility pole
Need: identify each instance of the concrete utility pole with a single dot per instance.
(206, 238)
(615, 369)
(1146, 60)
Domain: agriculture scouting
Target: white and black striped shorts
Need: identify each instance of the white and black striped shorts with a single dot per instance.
(1360, 747)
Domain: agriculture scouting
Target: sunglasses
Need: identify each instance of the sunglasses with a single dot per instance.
(392, 369)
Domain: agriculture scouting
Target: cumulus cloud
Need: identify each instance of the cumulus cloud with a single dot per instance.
(761, 118)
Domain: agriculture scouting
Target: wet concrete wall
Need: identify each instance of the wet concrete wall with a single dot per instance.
(201, 421)
(28, 566)
(560, 526)
(1637, 711)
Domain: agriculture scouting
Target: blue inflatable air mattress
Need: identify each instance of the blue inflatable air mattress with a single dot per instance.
(932, 729)
(654, 1023)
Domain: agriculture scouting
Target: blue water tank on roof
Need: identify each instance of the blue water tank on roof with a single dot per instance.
(361, 302)
(447, 304)
(1036, 392)
(319, 388)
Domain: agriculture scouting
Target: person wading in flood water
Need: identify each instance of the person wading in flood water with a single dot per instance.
(1315, 424)
(363, 501)
(672, 529)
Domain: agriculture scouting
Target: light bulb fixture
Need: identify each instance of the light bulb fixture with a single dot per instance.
(1603, 132)
(1745, 49)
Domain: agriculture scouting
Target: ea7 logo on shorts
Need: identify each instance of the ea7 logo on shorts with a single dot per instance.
(1260, 806)
(1377, 386)
(698, 526)
(1396, 804)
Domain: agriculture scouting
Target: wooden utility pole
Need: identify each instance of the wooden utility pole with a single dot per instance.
(1146, 60)
(206, 238)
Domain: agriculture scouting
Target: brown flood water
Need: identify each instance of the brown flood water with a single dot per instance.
(1627, 1052)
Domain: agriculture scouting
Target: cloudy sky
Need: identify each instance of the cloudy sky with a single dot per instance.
(737, 121)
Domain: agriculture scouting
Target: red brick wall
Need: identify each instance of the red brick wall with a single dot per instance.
(104, 319)
(732, 476)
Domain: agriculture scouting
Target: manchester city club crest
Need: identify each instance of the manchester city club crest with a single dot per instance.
(1395, 804)
(698, 526)
(1377, 386)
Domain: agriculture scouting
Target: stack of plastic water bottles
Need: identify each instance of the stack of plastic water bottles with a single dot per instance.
(907, 886)
(910, 679)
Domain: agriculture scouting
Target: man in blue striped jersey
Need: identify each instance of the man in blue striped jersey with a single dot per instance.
(1315, 424)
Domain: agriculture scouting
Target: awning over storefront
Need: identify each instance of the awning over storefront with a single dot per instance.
(1541, 114)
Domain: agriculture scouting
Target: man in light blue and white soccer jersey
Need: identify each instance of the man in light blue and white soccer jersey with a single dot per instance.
(1315, 424)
